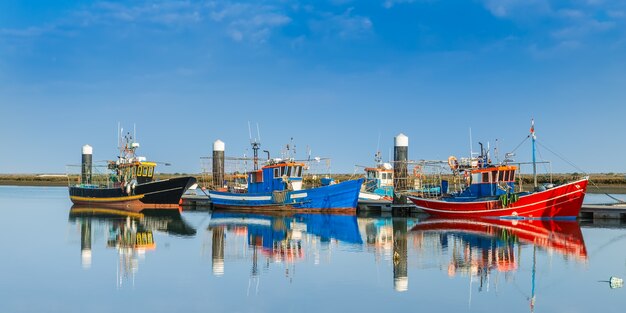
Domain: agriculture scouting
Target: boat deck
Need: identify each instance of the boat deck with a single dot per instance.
(607, 211)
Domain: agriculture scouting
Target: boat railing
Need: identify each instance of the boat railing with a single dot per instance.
(100, 177)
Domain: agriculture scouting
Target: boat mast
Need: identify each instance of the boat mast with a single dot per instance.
(256, 145)
(532, 292)
(533, 137)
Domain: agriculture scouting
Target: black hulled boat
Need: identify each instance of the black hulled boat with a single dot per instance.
(130, 183)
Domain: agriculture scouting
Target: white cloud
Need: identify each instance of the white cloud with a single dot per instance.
(345, 25)
(508, 8)
(248, 22)
(390, 3)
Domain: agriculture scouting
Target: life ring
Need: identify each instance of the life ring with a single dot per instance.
(417, 171)
(453, 163)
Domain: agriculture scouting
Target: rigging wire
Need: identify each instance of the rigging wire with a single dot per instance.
(520, 144)
(580, 170)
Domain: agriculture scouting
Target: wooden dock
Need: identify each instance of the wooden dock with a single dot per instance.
(610, 211)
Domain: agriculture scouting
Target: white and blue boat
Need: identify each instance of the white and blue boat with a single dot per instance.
(279, 186)
(378, 183)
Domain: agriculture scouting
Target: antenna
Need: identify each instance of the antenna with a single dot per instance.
(249, 132)
(495, 152)
(134, 132)
(118, 134)
(258, 132)
(471, 149)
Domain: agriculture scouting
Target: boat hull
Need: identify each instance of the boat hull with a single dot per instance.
(339, 197)
(563, 201)
(157, 194)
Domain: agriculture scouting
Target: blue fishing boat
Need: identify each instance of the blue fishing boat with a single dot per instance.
(279, 186)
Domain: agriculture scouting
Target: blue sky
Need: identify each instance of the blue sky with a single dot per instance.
(334, 75)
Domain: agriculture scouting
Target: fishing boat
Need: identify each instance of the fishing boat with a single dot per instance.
(378, 183)
(130, 183)
(278, 185)
(490, 193)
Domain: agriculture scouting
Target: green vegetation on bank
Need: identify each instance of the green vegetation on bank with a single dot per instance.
(605, 182)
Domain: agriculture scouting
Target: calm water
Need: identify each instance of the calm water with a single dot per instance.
(57, 260)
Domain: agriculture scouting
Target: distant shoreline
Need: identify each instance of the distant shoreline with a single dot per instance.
(606, 183)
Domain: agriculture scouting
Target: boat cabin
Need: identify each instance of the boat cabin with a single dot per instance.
(379, 180)
(490, 181)
(145, 171)
(277, 176)
(142, 171)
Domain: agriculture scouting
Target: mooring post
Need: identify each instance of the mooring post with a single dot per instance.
(218, 164)
(217, 251)
(85, 243)
(400, 171)
(400, 255)
(86, 162)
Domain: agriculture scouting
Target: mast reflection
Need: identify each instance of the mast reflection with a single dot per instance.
(479, 247)
(130, 233)
(276, 238)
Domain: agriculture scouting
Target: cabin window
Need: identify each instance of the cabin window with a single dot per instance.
(289, 171)
(299, 171)
(150, 171)
(276, 172)
(485, 177)
(282, 170)
(507, 176)
(145, 171)
(371, 175)
(501, 175)
(494, 176)
(139, 169)
(255, 177)
(512, 178)
(133, 172)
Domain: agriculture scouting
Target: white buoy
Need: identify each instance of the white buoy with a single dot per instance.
(616, 282)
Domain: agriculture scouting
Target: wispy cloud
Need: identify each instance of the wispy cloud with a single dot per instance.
(248, 22)
(345, 25)
(561, 26)
(508, 8)
(390, 3)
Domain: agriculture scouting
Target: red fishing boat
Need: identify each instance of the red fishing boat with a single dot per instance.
(490, 193)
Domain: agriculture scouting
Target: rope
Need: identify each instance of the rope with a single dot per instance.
(520, 144)
(580, 170)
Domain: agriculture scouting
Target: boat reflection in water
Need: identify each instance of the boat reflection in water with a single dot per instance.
(478, 247)
(130, 233)
(277, 238)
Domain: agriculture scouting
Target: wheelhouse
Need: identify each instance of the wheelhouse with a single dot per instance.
(277, 176)
(379, 177)
(490, 181)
